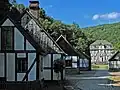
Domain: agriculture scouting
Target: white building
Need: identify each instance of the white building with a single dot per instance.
(101, 51)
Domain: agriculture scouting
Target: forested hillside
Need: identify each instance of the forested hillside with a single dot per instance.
(109, 32)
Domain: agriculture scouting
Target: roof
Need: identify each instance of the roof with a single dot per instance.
(39, 24)
(101, 42)
(68, 48)
(115, 57)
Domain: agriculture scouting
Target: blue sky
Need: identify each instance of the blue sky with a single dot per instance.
(84, 12)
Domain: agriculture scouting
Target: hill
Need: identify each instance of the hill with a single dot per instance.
(109, 32)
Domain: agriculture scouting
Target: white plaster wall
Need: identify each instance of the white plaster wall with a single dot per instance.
(81, 62)
(25, 19)
(20, 76)
(10, 66)
(64, 74)
(2, 67)
(19, 40)
(29, 46)
(32, 25)
(74, 58)
(74, 65)
(56, 56)
(47, 74)
(32, 74)
(8, 23)
(47, 61)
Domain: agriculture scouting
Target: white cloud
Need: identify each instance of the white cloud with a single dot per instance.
(95, 17)
(113, 15)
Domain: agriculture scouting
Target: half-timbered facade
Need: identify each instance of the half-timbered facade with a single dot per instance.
(16, 52)
(73, 59)
(114, 61)
(54, 52)
(101, 52)
(24, 47)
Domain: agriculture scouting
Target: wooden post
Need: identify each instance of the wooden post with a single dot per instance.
(51, 66)
(62, 69)
(78, 64)
(37, 66)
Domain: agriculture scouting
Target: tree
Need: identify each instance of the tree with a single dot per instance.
(81, 45)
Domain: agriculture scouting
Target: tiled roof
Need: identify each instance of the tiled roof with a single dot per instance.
(101, 42)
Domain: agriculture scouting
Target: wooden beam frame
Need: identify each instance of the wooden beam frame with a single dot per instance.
(51, 66)
(28, 71)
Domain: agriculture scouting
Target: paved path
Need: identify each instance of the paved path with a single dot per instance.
(94, 80)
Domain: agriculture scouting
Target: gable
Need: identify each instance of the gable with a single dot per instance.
(31, 25)
(7, 22)
(25, 19)
(21, 41)
(62, 42)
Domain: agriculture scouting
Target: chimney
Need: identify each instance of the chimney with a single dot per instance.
(34, 8)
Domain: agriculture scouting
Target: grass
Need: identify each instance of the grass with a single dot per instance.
(100, 67)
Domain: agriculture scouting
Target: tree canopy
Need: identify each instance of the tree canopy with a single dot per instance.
(80, 38)
(109, 32)
(72, 32)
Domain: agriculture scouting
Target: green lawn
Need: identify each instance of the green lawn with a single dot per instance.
(100, 67)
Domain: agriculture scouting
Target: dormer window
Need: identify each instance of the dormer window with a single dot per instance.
(7, 38)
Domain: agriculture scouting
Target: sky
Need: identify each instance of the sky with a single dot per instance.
(86, 13)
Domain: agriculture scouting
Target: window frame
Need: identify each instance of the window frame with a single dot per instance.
(3, 36)
(19, 62)
(68, 63)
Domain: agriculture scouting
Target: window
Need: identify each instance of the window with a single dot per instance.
(7, 38)
(68, 63)
(22, 65)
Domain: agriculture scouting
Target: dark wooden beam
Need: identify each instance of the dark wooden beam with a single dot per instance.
(15, 66)
(62, 69)
(51, 66)
(37, 66)
(17, 51)
(28, 71)
(27, 65)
